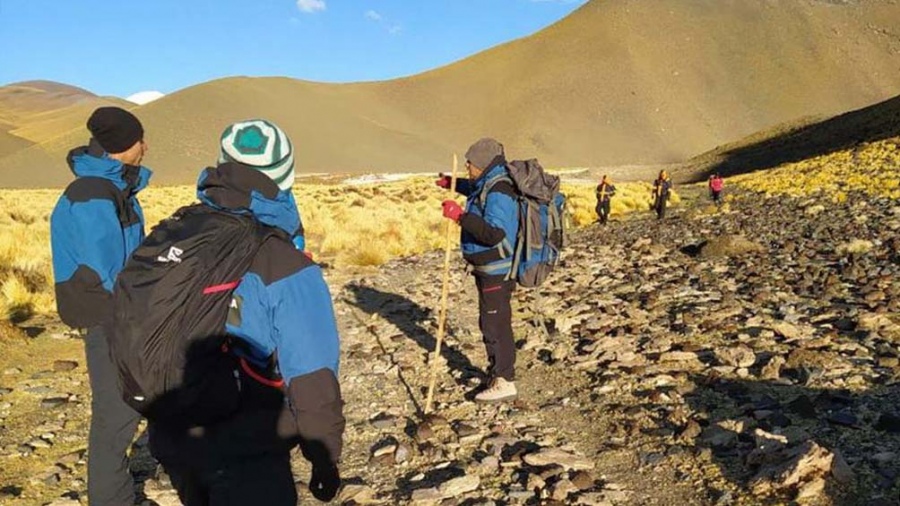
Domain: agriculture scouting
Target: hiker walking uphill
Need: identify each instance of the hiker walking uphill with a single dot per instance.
(662, 189)
(716, 185)
(605, 192)
(228, 338)
(95, 226)
(489, 229)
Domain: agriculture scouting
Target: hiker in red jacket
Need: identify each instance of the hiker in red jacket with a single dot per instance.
(716, 184)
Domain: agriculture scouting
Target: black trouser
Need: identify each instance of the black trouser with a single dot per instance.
(495, 322)
(257, 479)
(661, 203)
(113, 424)
(716, 196)
(603, 211)
(244, 459)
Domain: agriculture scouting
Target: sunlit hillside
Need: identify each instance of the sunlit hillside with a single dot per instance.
(617, 82)
(872, 169)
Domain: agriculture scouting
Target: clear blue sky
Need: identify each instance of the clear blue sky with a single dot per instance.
(119, 47)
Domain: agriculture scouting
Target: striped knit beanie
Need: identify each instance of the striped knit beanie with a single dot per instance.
(261, 145)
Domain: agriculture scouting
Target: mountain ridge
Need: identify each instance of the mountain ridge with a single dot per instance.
(618, 82)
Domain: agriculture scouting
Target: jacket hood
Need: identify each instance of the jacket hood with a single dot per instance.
(92, 161)
(239, 189)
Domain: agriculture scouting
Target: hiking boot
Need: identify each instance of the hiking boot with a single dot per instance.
(500, 390)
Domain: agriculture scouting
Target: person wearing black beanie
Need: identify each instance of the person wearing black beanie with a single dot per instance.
(96, 225)
(119, 133)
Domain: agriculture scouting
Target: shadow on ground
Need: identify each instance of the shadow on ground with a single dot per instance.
(413, 321)
(863, 427)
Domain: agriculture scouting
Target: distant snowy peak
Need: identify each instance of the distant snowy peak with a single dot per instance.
(145, 97)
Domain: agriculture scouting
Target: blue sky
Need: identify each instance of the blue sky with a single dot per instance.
(119, 47)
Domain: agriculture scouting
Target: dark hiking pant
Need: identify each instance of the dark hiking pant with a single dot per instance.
(113, 424)
(258, 479)
(661, 203)
(717, 197)
(495, 322)
(603, 212)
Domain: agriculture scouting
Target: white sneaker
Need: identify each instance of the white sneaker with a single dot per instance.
(499, 391)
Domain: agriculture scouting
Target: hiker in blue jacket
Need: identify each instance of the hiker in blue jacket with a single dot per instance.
(95, 226)
(283, 331)
(489, 225)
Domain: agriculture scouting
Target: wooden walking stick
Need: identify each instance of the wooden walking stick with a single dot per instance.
(442, 319)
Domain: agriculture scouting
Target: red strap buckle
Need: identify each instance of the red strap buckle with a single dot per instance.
(260, 378)
(224, 287)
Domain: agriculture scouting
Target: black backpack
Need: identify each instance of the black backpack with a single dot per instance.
(171, 302)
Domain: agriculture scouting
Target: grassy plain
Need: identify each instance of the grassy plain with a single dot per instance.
(346, 225)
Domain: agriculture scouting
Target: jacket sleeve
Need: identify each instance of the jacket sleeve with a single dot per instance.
(102, 241)
(501, 218)
(307, 341)
(464, 187)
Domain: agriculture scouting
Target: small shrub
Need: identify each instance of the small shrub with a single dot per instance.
(855, 247)
(366, 253)
(18, 301)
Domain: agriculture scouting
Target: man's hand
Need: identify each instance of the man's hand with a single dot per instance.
(325, 482)
(444, 182)
(452, 210)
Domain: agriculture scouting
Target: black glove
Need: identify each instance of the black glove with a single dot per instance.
(325, 482)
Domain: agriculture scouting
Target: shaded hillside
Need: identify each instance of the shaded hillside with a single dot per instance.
(617, 82)
(798, 141)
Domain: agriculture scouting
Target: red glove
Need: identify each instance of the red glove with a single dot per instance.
(443, 182)
(452, 210)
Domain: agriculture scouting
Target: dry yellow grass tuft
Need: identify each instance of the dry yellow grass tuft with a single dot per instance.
(630, 197)
(855, 247)
(872, 169)
(346, 225)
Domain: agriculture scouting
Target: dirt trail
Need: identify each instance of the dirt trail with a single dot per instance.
(702, 360)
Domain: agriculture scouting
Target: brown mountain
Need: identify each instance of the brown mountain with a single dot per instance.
(617, 82)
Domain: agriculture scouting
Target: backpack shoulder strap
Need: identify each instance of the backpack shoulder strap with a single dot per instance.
(489, 185)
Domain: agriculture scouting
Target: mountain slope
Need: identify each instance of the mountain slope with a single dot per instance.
(617, 82)
(799, 140)
(39, 111)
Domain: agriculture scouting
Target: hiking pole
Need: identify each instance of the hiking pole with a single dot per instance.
(442, 319)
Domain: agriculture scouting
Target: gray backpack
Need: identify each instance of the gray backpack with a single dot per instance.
(542, 210)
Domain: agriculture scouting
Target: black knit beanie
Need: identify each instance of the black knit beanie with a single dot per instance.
(115, 129)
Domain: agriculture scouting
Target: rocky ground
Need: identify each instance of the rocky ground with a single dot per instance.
(748, 356)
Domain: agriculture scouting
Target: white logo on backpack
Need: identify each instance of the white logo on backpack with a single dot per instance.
(174, 255)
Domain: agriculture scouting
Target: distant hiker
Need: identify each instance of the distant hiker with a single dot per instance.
(243, 347)
(662, 189)
(716, 184)
(605, 191)
(488, 236)
(95, 226)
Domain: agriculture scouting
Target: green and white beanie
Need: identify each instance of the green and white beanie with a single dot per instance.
(262, 146)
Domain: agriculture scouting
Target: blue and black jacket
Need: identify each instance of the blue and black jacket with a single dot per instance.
(96, 225)
(282, 313)
(491, 221)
